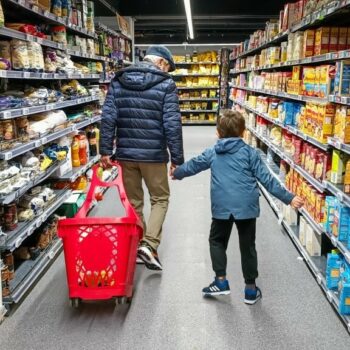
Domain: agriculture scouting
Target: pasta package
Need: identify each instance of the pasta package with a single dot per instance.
(20, 57)
(35, 56)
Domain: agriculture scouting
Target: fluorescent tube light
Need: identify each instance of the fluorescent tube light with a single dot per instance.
(189, 17)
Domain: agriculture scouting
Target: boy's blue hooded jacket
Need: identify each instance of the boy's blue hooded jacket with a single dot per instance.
(235, 170)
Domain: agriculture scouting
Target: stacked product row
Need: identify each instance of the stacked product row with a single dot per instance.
(290, 18)
(197, 77)
(291, 82)
(329, 215)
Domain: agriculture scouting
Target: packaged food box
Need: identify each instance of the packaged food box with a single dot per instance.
(342, 78)
(341, 130)
(302, 231)
(334, 264)
(324, 122)
(347, 178)
(330, 203)
(340, 227)
(322, 38)
(333, 39)
(325, 81)
(313, 242)
(343, 33)
(339, 160)
(308, 83)
(309, 42)
(320, 208)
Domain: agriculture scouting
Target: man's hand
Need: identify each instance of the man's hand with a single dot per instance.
(106, 162)
(172, 169)
(297, 202)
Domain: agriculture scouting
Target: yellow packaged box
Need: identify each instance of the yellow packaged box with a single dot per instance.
(324, 122)
(309, 78)
(309, 42)
(342, 124)
(324, 82)
(347, 178)
(322, 40)
(339, 162)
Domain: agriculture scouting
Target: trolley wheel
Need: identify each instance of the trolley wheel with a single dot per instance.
(121, 300)
(74, 303)
(129, 300)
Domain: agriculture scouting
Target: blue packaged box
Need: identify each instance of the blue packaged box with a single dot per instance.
(334, 263)
(340, 227)
(329, 213)
(344, 289)
(342, 78)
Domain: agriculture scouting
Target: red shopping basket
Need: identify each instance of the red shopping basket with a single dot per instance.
(100, 253)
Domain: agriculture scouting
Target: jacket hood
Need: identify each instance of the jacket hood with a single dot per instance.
(142, 76)
(230, 145)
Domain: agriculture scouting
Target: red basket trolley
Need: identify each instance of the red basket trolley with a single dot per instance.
(100, 253)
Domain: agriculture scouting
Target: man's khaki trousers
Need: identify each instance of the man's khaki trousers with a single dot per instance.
(155, 176)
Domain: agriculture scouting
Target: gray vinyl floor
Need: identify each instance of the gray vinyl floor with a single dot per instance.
(168, 311)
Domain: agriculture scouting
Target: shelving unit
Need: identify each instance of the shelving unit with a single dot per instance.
(2, 307)
(319, 18)
(30, 271)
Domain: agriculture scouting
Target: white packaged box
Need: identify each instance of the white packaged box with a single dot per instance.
(302, 231)
(313, 242)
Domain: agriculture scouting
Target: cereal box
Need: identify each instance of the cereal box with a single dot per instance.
(308, 83)
(339, 160)
(342, 78)
(325, 80)
(309, 42)
(347, 178)
(343, 33)
(333, 39)
(324, 123)
(342, 124)
(322, 38)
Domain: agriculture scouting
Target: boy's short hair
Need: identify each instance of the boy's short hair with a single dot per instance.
(230, 123)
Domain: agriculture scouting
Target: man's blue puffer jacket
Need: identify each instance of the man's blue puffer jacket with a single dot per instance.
(142, 111)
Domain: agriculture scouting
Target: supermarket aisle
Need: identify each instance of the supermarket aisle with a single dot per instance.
(168, 310)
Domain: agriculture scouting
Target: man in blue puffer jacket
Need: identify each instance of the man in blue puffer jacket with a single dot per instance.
(142, 113)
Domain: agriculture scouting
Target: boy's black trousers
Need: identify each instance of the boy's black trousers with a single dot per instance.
(219, 236)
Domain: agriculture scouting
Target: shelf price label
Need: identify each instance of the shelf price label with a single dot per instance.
(26, 75)
(50, 106)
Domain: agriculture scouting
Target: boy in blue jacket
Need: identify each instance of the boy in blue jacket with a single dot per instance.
(236, 169)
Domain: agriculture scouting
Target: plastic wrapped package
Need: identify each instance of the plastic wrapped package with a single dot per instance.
(5, 54)
(45, 122)
(20, 56)
(36, 57)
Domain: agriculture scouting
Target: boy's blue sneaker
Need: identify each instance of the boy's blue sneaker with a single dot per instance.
(251, 296)
(218, 287)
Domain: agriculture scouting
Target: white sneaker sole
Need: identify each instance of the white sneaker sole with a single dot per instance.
(226, 292)
(148, 259)
(139, 261)
(252, 302)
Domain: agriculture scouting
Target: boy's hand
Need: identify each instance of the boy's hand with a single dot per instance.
(297, 202)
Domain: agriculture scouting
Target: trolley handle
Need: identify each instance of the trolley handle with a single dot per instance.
(117, 182)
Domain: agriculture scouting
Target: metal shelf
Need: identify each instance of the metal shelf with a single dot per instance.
(50, 17)
(19, 112)
(15, 238)
(199, 99)
(317, 184)
(199, 122)
(197, 87)
(198, 110)
(318, 15)
(288, 128)
(30, 271)
(79, 171)
(314, 263)
(283, 94)
(316, 226)
(10, 33)
(328, 57)
(337, 191)
(339, 145)
(40, 178)
(195, 75)
(16, 151)
(192, 63)
(11, 74)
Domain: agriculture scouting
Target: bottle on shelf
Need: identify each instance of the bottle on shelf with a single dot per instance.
(75, 152)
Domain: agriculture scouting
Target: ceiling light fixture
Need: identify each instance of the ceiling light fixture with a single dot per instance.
(187, 4)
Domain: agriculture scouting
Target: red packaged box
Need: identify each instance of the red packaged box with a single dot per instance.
(297, 149)
(322, 40)
(333, 39)
(342, 39)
